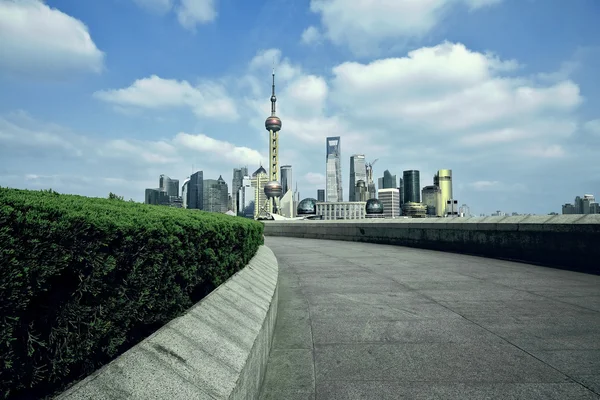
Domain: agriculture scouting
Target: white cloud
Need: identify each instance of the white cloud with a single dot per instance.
(126, 166)
(193, 12)
(496, 186)
(551, 151)
(218, 149)
(18, 131)
(40, 41)
(189, 12)
(208, 99)
(363, 25)
(592, 127)
(311, 35)
(315, 179)
(445, 88)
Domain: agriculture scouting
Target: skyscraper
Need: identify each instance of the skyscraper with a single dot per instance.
(321, 195)
(171, 186)
(286, 178)
(236, 184)
(443, 180)
(390, 198)
(412, 186)
(246, 194)
(184, 192)
(215, 195)
(432, 199)
(333, 188)
(388, 181)
(258, 182)
(195, 192)
(358, 172)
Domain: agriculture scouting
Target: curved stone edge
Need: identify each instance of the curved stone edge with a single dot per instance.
(217, 350)
(563, 241)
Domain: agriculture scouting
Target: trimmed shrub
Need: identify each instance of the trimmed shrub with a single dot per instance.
(84, 279)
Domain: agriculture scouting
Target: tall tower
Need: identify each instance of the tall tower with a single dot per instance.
(333, 183)
(273, 188)
(443, 179)
(358, 172)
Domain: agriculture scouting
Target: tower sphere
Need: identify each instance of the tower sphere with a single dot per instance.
(273, 123)
(307, 206)
(273, 189)
(374, 206)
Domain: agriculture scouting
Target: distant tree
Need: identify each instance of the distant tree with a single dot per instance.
(131, 200)
(113, 196)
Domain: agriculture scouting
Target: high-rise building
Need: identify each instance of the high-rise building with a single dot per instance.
(370, 182)
(320, 195)
(184, 192)
(358, 172)
(443, 180)
(432, 199)
(333, 188)
(171, 186)
(215, 195)
(387, 181)
(236, 183)
(246, 194)
(360, 191)
(390, 198)
(259, 180)
(401, 190)
(156, 197)
(167, 193)
(286, 178)
(195, 193)
(412, 186)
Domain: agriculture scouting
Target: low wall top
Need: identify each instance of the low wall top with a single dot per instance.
(217, 350)
(466, 222)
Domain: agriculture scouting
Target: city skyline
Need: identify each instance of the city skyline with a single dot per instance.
(113, 111)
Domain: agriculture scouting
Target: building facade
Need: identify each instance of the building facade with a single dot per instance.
(184, 192)
(390, 199)
(195, 193)
(236, 184)
(216, 195)
(342, 210)
(387, 181)
(360, 191)
(443, 180)
(432, 199)
(171, 186)
(358, 172)
(321, 195)
(333, 189)
(258, 182)
(286, 178)
(246, 198)
(412, 186)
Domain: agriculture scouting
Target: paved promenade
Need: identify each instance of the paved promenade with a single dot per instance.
(365, 321)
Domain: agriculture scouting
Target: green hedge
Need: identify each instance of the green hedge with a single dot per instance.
(84, 279)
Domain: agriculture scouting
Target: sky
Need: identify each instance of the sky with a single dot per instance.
(103, 96)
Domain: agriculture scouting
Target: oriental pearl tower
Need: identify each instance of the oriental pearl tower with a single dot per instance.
(273, 188)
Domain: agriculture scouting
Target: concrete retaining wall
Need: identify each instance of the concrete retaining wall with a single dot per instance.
(565, 241)
(217, 350)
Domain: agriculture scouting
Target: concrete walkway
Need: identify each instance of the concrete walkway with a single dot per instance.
(364, 321)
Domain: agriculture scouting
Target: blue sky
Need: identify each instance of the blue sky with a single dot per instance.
(105, 95)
